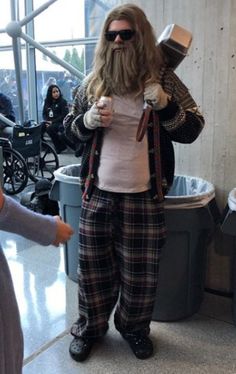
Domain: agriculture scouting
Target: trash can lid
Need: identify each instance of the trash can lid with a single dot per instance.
(68, 174)
(232, 199)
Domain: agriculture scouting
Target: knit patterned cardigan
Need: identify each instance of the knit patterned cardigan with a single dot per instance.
(180, 121)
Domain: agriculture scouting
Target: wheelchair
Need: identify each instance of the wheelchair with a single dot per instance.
(26, 156)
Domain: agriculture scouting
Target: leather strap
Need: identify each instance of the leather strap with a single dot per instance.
(157, 155)
(142, 128)
(143, 123)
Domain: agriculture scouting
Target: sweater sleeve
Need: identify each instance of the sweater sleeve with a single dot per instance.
(181, 118)
(73, 122)
(19, 220)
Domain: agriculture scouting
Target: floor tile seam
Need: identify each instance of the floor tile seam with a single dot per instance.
(44, 347)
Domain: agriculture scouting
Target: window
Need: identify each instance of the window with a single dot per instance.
(71, 34)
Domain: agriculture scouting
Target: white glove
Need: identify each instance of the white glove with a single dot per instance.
(92, 118)
(155, 94)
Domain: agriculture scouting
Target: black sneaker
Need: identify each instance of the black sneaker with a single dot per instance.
(80, 348)
(140, 344)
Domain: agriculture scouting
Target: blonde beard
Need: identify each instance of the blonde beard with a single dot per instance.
(121, 70)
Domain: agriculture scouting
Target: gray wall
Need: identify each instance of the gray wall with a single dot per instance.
(210, 73)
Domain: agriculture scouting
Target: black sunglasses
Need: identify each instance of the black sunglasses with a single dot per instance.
(124, 35)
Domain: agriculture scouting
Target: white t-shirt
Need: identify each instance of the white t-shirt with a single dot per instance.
(124, 165)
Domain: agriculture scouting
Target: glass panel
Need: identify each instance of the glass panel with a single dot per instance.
(95, 13)
(5, 39)
(63, 20)
(8, 80)
(81, 19)
(5, 16)
(5, 19)
(21, 8)
(48, 72)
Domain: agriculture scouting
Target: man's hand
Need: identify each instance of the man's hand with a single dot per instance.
(106, 114)
(92, 118)
(98, 116)
(64, 232)
(156, 96)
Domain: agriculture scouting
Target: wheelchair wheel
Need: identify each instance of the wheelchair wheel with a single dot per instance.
(43, 166)
(15, 173)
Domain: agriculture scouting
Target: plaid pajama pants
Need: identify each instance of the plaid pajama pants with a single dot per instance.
(120, 240)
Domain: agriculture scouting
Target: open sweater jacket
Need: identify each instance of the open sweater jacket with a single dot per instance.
(180, 121)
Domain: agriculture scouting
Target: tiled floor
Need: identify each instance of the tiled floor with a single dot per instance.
(203, 343)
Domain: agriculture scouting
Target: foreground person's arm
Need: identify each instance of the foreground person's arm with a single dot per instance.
(43, 229)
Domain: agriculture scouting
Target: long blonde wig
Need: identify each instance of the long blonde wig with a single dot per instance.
(149, 57)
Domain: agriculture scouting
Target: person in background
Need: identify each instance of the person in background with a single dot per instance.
(124, 178)
(49, 82)
(6, 109)
(8, 87)
(66, 84)
(55, 108)
(44, 230)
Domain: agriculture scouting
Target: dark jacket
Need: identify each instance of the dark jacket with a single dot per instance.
(6, 108)
(180, 121)
(55, 111)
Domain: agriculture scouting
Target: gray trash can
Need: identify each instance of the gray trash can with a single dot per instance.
(66, 190)
(1, 167)
(191, 215)
(228, 226)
